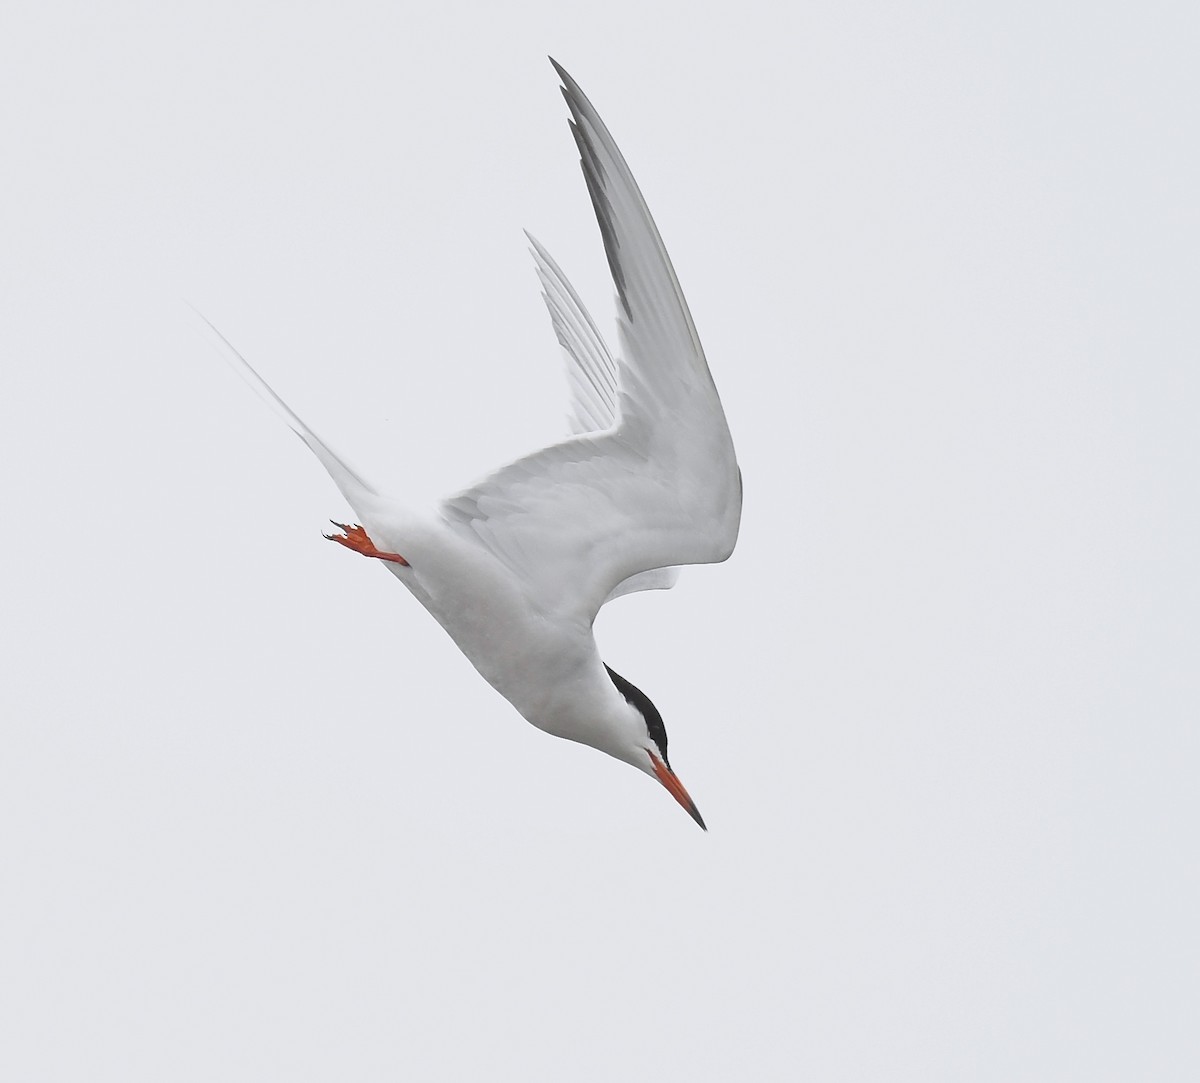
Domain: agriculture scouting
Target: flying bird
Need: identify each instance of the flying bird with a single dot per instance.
(516, 567)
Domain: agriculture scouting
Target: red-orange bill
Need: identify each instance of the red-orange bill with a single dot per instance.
(675, 788)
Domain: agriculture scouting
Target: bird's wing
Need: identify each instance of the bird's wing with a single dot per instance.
(592, 379)
(591, 368)
(660, 487)
(654, 579)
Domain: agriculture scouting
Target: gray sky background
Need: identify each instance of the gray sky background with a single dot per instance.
(260, 820)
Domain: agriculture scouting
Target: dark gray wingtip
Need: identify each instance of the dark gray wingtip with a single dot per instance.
(583, 117)
(577, 100)
(570, 87)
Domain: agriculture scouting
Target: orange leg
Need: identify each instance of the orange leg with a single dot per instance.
(356, 538)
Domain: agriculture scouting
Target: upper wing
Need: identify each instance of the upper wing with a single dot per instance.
(660, 486)
(592, 377)
(591, 369)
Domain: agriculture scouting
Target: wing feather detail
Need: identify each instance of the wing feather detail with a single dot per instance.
(591, 367)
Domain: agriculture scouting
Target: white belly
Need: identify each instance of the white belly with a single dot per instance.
(538, 663)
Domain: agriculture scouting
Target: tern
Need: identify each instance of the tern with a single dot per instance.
(516, 567)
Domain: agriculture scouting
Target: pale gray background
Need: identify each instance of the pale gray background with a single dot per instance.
(259, 820)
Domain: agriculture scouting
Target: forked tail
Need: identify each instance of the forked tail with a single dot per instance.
(353, 487)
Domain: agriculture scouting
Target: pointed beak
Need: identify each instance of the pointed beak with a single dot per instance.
(675, 788)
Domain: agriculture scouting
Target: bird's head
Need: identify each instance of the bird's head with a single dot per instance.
(644, 744)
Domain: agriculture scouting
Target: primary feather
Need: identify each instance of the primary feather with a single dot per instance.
(591, 368)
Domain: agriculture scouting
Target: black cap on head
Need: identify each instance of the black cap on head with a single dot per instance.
(639, 699)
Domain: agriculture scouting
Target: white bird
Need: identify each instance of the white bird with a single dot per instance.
(516, 567)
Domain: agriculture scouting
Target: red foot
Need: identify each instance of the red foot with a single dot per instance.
(356, 538)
